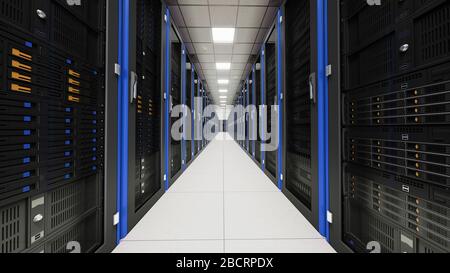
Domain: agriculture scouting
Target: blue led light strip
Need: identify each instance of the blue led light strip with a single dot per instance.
(322, 87)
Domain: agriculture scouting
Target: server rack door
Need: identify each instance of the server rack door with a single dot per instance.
(145, 185)
(253, 114)
(271, 100)
(194, 115)
(394, 127)
(258, 103)
(300, 153)
(52, 111)
(175, 100)
(188, 102)
(247, 115)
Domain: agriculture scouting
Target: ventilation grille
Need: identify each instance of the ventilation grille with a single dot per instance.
(65, 204)
(68, 32)
(12, 225)
(16, 11)
(433, 34)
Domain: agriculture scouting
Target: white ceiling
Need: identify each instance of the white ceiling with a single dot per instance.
(195, 20)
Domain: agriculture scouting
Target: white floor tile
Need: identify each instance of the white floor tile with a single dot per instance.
(264, 215)
(188, 216)
(278, 246)
(198, 182)
(213, 246)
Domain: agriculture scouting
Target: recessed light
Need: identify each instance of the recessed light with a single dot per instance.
(223, 91)
(223, 66)
(223, 81)
(223, 97)
(223, 35)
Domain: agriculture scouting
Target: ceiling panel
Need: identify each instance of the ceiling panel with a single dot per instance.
(251, 18)
(196, 16)
(223, 16)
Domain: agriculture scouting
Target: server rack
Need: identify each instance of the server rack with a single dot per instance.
(175, 100)
(390, 183)
(271, 100)
(301, 111)
(188, 101)
(53, 105)
(145, 110)
(258, 103)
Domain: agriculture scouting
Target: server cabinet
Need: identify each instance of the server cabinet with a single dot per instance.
(198, 105)
(176, 53)
(300, 125)
(258, 103)
(188, 102)
(194, 114)
(271, 103)
(391, 186)
(53, 103)
(145, 105)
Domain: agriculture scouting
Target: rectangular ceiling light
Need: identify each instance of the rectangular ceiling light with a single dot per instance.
(223, 91)
(223, 35)
(223, 66)
(223, 81)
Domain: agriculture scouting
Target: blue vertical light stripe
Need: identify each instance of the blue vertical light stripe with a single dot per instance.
(122, 196)
(183, 102)
(280, 99)
(322, 117)
(167, 104)
(263, 103)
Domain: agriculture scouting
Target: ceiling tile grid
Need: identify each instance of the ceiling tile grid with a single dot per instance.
(250, 19)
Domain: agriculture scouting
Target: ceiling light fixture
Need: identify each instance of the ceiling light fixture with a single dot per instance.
(223, 81)
(223, 91)
(223, 66)
(223, 35)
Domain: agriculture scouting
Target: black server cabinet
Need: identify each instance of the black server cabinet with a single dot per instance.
(271, 100)
(194, 114)
(189, 87)
(258, 103)
(175, 100)
(145, 185)
(392, 183)
(52, 119)
(300, 109)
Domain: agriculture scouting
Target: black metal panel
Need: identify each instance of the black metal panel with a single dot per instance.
(148, 108)
(271, 99)
(175, 149)
(298, 103)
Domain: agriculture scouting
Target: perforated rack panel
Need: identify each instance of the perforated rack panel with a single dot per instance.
(175, 157)
(258, 104)
(52, 102)
(396, 123)
(148, 108)
(298, 103)
(271, 94)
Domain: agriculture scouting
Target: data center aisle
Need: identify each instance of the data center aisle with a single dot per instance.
(223, 203)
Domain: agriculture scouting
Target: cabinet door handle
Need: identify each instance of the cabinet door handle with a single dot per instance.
(133, 87)
(312, 88)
